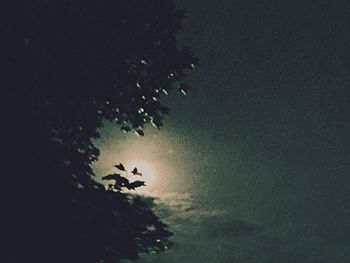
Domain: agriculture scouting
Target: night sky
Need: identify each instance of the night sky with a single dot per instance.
(255, 161)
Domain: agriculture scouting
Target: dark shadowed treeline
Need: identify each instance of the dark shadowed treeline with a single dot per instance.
(70, 65)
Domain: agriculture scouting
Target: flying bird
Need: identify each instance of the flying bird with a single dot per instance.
(120, 167)
(136, 172)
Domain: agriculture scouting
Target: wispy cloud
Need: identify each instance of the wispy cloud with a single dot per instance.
(183, 207)
(217, 236)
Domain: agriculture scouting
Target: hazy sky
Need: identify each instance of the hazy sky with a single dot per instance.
(255, 162)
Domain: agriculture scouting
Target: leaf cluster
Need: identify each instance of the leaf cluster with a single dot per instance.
(71, 65)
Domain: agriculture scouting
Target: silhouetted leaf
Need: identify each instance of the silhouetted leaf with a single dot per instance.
(136, 172)
(140, 132)
(120, 167)
(111, 177)
(74, 65)
(136, 184)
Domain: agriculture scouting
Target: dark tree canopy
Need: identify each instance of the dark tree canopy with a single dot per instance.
(70, 65)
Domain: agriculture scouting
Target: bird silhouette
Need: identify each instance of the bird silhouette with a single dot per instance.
(120, 167)
(136, 172)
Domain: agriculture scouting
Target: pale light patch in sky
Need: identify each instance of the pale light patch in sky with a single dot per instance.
(145, 171)
(161, 156)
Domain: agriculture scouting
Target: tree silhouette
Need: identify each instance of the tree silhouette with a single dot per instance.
(70, 65)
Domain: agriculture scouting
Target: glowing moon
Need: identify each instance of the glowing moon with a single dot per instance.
(144, 167)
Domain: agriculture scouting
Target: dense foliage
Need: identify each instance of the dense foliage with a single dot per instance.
(71, 64)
